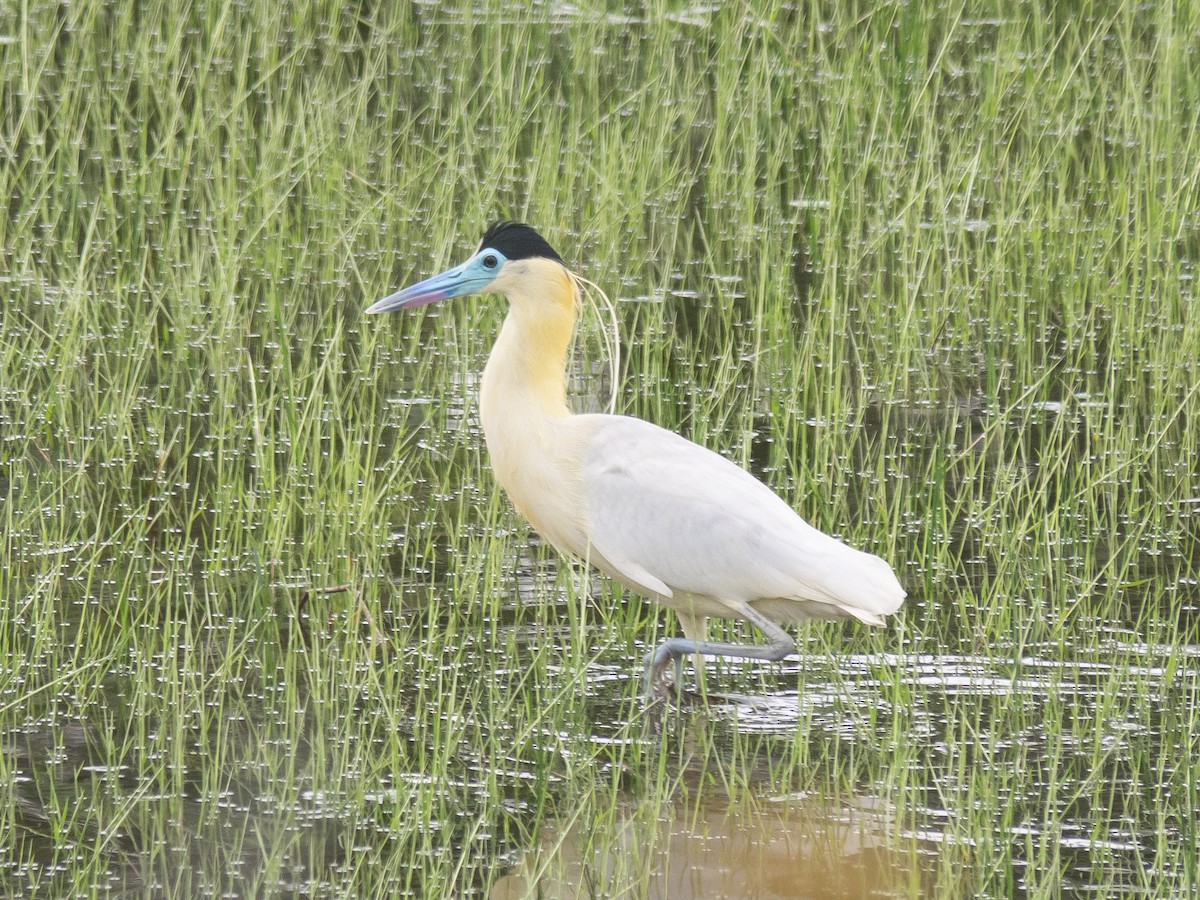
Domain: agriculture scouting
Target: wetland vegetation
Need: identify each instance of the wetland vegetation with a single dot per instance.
(928, 269)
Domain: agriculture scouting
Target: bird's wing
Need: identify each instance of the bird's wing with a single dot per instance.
(664, 512)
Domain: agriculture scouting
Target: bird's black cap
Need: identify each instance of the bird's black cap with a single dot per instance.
(516, 240)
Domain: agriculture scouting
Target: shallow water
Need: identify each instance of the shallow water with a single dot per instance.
(1036, 715)
(699, 838)
(778, 847)
(1072, 732)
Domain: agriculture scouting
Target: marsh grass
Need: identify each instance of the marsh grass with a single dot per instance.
(930, 271)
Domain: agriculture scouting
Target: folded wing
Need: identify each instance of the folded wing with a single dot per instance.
(670, 516)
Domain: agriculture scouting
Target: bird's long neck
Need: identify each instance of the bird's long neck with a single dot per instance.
(536, 451)
(525, 376)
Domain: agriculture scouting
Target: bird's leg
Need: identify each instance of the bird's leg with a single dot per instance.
(694, 628)
(674, 649)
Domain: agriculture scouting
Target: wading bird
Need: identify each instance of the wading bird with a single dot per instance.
(667, 518)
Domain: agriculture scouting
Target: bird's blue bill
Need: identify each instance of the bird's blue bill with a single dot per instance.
(474, 275)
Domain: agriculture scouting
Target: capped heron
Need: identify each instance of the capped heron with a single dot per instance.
(665, 517)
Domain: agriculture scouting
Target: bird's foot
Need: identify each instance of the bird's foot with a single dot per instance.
(658, 687)
(663, 681)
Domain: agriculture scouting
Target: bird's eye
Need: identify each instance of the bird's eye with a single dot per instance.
(489, 262)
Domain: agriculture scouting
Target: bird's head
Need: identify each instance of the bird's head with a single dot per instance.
(512, 259)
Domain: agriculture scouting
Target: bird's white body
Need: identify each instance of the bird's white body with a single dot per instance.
(667, 518)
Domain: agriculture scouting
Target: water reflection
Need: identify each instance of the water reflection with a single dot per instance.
(793, 847)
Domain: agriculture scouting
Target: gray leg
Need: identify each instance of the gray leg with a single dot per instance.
(672, 650)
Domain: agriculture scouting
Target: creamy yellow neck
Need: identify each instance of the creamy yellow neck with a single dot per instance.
(525, 374)
(535, 444)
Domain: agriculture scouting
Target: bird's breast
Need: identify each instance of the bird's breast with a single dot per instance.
(538, 462)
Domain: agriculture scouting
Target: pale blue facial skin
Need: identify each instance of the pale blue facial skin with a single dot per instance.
(474, 275)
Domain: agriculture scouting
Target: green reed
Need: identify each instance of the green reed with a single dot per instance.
(930, 272)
